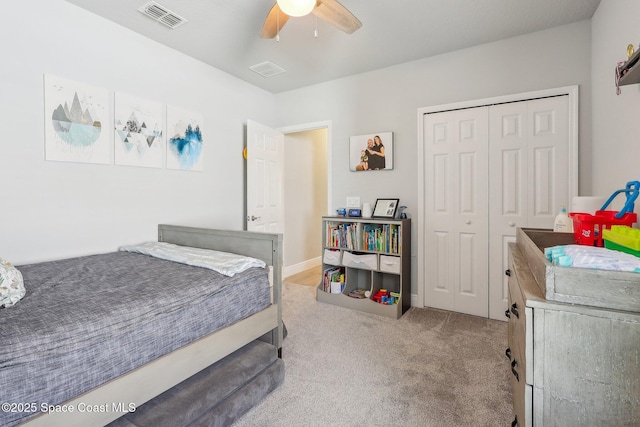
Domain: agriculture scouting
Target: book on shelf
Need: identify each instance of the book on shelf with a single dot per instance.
(364, 236)
(331, 276)
(344, 235)
(382, 238)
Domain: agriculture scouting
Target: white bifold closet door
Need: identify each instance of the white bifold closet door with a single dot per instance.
(456, 202)
(488, 170)
(528, 178)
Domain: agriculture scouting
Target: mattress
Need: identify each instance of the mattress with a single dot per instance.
(90, 319)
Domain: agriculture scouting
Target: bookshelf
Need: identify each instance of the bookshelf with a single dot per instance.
(361, 257)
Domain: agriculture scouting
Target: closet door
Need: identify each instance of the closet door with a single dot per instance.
(456, 210)
(508, 194)
(548, 160)
(528, 178)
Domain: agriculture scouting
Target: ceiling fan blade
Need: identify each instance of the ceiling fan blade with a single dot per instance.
(337, 15)
(274, 22)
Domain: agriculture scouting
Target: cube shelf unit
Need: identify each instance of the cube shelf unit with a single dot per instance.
(372, 254)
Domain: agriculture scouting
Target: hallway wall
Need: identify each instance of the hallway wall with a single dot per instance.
(305, 189)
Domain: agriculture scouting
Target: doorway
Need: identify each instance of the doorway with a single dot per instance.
(306, 195)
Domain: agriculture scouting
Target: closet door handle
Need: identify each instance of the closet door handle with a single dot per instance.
(507, 272)
(514, 310)
(514, 363)
(507, 353)
(514, 423)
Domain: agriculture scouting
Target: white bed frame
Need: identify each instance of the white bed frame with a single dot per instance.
(157, 376)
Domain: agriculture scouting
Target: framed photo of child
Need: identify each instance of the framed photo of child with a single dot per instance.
(371, 152)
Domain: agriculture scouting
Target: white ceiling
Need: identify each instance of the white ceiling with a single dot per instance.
(225, 33)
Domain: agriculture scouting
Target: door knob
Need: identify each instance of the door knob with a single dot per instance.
(512, 224)
(252, 218)
(468, 221)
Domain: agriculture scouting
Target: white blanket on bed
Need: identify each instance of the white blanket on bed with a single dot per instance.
(223, 262)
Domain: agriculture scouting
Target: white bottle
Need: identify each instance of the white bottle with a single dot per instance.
(563, 223)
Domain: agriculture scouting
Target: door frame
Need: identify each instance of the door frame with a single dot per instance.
(570, 91)
(326, 124)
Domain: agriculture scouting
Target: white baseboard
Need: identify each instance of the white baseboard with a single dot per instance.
(290, 270)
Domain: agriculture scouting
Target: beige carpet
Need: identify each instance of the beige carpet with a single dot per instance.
(346, 368)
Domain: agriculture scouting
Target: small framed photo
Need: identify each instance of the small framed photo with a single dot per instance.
(386, 208)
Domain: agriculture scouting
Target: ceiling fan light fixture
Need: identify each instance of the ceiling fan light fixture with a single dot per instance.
(296, 7)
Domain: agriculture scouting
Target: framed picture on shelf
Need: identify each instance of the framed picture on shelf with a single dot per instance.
(371, 152)
(386, 208)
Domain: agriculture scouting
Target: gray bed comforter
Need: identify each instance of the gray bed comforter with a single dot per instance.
(87, 320)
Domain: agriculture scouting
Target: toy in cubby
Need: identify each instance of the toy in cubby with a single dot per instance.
(385, 297)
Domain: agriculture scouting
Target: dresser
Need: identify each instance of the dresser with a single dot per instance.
(574, 339)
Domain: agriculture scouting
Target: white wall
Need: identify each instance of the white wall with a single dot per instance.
(616, 118)
(388, 99)
(305, 189)
(58, 209)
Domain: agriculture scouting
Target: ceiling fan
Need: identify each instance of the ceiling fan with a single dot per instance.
(328, 10)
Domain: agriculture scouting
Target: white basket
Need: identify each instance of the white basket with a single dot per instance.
(364, 262)
(331, 257)
(390, 264)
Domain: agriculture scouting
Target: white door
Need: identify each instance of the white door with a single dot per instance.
(528, 178)
(508, 194)
(265, 162)
(456, 210)
(548, 160)
(532, 170)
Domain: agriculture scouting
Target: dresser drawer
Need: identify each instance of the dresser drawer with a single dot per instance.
(517, 312)
(522, 403)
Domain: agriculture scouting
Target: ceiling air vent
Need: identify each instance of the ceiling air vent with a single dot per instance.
(267, 69)
(163, 15)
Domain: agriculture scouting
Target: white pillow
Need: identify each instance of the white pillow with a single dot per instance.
(11, 284)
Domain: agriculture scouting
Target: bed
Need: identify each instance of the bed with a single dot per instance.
(188, 355)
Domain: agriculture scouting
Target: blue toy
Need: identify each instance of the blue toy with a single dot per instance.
(631, 191)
